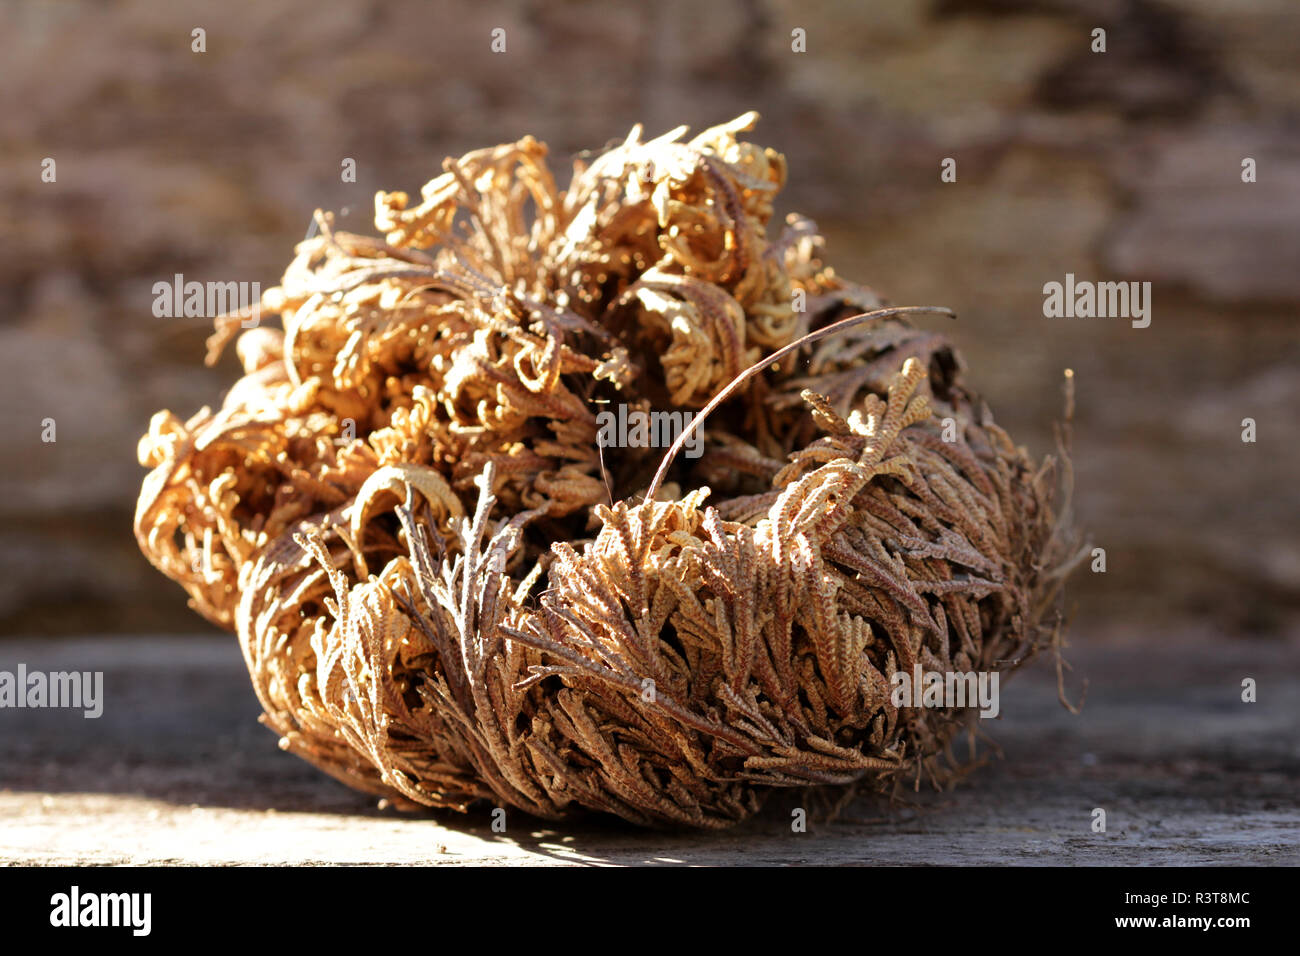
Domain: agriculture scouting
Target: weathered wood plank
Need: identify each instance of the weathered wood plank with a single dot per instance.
(177, 771)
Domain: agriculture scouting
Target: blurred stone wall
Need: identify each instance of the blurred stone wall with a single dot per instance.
(1123, 165)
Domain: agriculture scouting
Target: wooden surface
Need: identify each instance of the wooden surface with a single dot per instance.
(178, 771)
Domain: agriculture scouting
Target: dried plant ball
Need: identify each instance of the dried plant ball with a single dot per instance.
(448, 590)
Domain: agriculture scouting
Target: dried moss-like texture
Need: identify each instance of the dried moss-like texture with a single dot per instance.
(446, 591)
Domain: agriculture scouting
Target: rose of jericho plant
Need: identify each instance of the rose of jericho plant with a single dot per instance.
(446, 592)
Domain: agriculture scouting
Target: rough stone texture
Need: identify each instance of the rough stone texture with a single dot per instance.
(177, 771)
(1124, 165)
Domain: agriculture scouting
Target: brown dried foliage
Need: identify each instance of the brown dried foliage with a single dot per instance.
(468, 600)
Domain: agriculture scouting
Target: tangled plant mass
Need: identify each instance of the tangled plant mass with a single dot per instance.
(447, 591)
